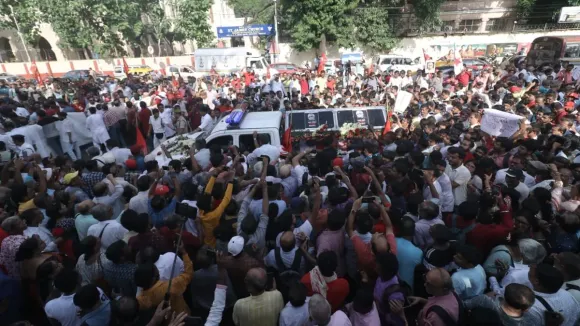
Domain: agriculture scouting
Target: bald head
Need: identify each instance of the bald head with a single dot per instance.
(287, 241)
(319, 309)
(85, 206)
(438, 282)
(256, 280)
(285, 171)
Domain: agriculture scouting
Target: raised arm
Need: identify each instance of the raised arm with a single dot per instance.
(350, 223)
(346, 180)
(377, 184)
(296, 159)
(265, 202)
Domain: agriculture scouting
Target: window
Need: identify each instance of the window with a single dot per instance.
(386, 61)
(223, 142)
(247, 142)
(572, 50)
(407, 61)
(470, 25)
(496, 24)
(173, 69)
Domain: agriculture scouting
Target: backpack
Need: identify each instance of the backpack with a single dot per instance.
(444, 316)
(458, 233)
(285, 277)
(551, 317)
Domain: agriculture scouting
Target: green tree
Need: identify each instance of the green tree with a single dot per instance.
(26, 14)
(308, 20)
(525, 8)
(192, 22)
(427, 13)
(254, 11)
(374, 31)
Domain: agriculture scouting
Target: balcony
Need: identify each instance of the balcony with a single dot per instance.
(478, 6)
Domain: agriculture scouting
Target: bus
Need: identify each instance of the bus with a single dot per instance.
(546, 51)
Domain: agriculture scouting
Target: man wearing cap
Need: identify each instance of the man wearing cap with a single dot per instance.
(238, 263)
(74, 183)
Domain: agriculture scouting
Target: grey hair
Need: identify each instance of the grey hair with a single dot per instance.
(532, 251)
(428, 210)
(285, 171)
(258, 169)
(101, 212)
(10, 224)
(319, 309)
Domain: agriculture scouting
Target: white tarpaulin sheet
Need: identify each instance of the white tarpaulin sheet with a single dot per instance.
(499, 123)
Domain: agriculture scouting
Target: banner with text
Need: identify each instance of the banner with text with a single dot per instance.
(499, 123)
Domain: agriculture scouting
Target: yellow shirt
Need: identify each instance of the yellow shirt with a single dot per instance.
(26, 206)
(210, 220)
(262, 310)
(153, 296)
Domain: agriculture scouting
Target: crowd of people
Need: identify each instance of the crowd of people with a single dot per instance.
(429, 222)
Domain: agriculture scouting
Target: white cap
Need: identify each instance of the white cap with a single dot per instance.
(236, 245)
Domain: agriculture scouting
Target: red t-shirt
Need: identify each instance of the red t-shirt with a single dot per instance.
(335, 294)
(486, 236)
(463, 78)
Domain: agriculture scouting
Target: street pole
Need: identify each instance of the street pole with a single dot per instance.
(19, 33)
(276, 46)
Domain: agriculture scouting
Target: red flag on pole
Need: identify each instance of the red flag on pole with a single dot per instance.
(426, 56)
(322, 51)
(49, 69)
(387, 124)
(287, 139)
(125, 66)
(36, 73)
(140, 141)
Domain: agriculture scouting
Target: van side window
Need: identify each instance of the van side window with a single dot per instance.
(223, 142)
(247, 142)
(387, 61)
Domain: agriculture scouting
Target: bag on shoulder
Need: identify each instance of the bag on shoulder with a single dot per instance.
(551, 317)
(444, 315)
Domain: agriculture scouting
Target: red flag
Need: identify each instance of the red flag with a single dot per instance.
(322, 63)
(287, 139)
(49, 69)
(125, 66)
(268, 75)
(140, 141)
(387, 124)
(36, 73)
(322, 51)
(426, 56)
(174, 81)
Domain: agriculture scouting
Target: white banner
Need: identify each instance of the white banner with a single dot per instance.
(402, 101)
(499, 123)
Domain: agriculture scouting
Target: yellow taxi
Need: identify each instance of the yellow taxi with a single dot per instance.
(140, 70)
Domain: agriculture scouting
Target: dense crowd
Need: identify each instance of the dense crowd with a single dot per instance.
(431, 222)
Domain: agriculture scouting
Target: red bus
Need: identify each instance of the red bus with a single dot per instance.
(546, 50)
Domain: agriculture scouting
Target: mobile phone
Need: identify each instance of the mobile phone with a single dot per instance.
(368, 199)
(192, 321)
(186, 211)
(496, 190)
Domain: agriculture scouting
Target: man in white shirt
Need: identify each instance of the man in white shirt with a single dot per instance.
(156, 128)
(167, 118)
(62, 310)
(211, 96)
(206, 121)
(69, 146)
(513, 177)
(139, 203)
(96, 125)
(458, 174)
(109, 231)
(277, 86)
(23, 150)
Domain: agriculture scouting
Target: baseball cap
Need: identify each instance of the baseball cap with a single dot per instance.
(69, 177)
(574, 95)
(515, 173)
(161, 190)
(338, 162)
(236, 245)
(569, 105)
(131, 164)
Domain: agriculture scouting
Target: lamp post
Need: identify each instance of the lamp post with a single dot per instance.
(19, 33)
(276, 31)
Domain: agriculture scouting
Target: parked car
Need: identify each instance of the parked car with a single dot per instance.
(387, 62)
(140, 70)
(476, 64)
(182, 71)
(286, 68)
(77, 75)
(8, 78)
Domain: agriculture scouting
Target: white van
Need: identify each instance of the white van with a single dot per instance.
(231, 60)
(119, 73)
(182, 71)
(397, 62)
(225, 135)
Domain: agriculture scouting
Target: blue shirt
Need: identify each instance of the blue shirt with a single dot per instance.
(100, 316)
(157, 218)
(469, 283)
(409, 257)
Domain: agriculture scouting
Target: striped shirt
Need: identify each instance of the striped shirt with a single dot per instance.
(263, 309)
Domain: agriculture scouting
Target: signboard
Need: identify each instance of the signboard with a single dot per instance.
(402, 102)
(569, 15)
(430, 66)
(353, 57)
(248, 30)
(308, 120)
(499, 123)
(312, 120)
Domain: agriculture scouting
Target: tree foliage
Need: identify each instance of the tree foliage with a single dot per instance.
(374, 31)
(255, 11)
(307, 20)
(106, 27)
(427, 13)
(191, 22)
